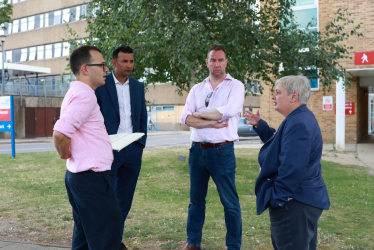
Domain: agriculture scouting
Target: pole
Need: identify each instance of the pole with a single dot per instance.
(12, 130)
(340, 115)
(3, 70)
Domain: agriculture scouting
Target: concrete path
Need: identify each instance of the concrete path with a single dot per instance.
(364, 150)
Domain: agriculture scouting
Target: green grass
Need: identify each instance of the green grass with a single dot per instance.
(33, 197)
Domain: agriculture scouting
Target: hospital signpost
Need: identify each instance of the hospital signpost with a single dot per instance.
(7, 119)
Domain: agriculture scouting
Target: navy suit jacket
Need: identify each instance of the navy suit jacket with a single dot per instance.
(108, 101)
(290, 162)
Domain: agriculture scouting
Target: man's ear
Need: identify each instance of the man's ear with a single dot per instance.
(84, 70)
(114, 63)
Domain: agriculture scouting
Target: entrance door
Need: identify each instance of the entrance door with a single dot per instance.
(39, 122)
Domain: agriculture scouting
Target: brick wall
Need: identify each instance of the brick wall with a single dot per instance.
(356, 125)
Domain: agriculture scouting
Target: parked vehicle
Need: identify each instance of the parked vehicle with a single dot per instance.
(244, 129)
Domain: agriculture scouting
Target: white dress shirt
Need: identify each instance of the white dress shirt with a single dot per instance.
(123, 93)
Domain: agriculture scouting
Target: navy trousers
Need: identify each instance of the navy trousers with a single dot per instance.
(125, 172)
(96, 211)
(294, 226)
(220, 164)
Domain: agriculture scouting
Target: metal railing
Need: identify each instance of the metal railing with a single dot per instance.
(32, 87)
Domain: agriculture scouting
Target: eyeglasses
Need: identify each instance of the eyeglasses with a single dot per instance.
(98, 64)
(208, 98)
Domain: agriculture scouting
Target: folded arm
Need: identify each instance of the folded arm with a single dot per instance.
(62, 144)
(195, 122)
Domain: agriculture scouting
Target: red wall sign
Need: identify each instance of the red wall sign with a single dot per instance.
(349, 108)
(364, 58)
(5, 115)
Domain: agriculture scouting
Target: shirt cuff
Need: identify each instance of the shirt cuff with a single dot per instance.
(64, 128)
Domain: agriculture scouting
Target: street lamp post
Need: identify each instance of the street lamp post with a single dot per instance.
(3, 61)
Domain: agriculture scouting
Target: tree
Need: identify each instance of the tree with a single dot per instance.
(172, 39)
(6, 10)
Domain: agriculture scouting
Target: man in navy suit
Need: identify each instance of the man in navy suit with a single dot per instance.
(290, 182)
(122, 104)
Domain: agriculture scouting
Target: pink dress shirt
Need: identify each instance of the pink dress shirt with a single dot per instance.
(82, 122)
(227, 98)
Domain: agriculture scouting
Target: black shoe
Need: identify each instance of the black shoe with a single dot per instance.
(122, 246)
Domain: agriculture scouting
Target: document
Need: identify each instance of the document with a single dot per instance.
(119, 141)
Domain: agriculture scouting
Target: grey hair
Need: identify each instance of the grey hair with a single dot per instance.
(299, 83)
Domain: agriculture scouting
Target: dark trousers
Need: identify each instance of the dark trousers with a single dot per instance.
(218, 163)
(294, 226)
(125, 172)
(96, 211)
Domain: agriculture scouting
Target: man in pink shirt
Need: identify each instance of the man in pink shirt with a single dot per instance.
(213, 109)
(80, 137)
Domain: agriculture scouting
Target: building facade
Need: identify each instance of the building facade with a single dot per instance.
(362, 75)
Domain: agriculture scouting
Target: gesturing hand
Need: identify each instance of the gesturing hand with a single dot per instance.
(253, 119)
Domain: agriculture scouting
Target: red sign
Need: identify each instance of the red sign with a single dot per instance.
(349, 108)
(364, 58)
(5, 115)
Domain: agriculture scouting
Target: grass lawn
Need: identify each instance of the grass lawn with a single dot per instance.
(33, 200)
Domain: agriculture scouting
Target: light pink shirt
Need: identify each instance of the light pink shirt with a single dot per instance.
(123, 94)
(227, 98)
(82, 122)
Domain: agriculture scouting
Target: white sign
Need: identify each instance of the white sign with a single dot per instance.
(4, 102)
(327, 103)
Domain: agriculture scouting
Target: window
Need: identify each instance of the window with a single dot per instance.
(32, 54)
(31, 25)
(306, 11)
(57, 50)
(41, 21)
(24, 24)
(23, 55)
(66, 15)
(77, 13)
(46, 22)
(253, 87)
(15, 26)
(66, 49)
(57, 17)
(8, 56)
(40, 54)
(48, 51)
(84, 10)
(168, 108)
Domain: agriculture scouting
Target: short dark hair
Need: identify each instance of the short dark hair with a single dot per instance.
(81, 56)
(216, 47)
(124, 49)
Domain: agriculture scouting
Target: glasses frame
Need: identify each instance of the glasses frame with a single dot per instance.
(98, 64)
(208, 98)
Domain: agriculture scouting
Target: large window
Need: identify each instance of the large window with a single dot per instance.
(57, 17)
(306, 11)
(46, 51)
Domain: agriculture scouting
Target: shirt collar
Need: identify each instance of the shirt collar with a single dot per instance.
(228, 77)
(81, 84)
(117, 82)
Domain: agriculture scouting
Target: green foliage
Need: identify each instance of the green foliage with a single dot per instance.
(6, 10)
(172, 38)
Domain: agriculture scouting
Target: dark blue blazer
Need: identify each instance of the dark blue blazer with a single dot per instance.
(108, 101)
(290, 162)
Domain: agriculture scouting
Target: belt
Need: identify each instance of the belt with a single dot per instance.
(212, 145)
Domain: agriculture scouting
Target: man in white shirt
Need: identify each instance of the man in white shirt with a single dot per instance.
(122, 104)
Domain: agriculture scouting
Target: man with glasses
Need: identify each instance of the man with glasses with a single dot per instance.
(122, 104)
(213, 109)
(80, 137)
